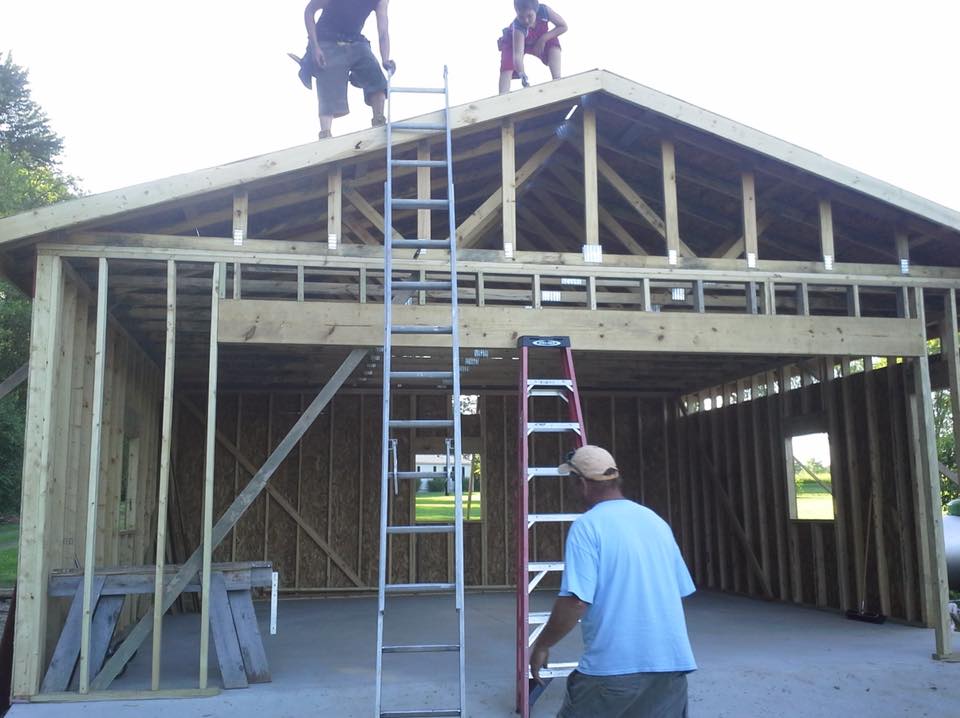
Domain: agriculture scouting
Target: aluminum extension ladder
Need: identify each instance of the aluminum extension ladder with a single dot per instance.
(404, 289)
(565, 388)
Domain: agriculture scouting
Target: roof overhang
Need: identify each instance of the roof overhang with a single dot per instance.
(107, 205)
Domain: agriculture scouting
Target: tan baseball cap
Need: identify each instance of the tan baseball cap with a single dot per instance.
(590, 462)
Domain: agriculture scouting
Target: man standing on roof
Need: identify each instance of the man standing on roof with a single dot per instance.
(624, 577)
(337, 53)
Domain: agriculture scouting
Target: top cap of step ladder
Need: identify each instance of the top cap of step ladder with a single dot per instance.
(544, 342)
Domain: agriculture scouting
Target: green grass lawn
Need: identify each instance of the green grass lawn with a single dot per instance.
(434, 507)
(9, 537)
(815, 506)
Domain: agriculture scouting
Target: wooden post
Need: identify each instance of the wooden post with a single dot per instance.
(31, 614)
(335, 205)
(671, 213)
(208, 478)
(935, 579)
(590, 181)
(826, 233)
(750, 233)
(508, 160)
(950, 351)
(902, 241)
(241, 207)
(166, 437)
(424, 226)
(93, 478)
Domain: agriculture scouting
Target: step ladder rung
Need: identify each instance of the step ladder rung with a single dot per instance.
(418, 587)
(551, 518)
(425, 648)
(420, 375)
(421, 329)
(422, 529)
(534, 471)
(552, 427)
(422, 713)
(537, 566)
(418, 475)
(557, 670)
(558, 393)
(420, 203)
(421, 423)
(419, 90)
(549, 382)
(417, 285)
(419, 126)
(441, 244)
(538, 618)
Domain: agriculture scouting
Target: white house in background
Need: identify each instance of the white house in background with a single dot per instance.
(438, 462)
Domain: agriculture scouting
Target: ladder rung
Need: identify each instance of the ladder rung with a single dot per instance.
(535, 471)
(557, 670)
(419, 126)
(549, 382)
(418, 475)
(419, 163)
(422, 713)
(434, 648)
(545, 518)
(421, 423)
(559, 393)
(418, 587)
(414, 375)
(421, 244)
(420, 329)
(418, 285)
(551, 427)
(537, 618)
(420, 203)
(545, 566)
(424, 529)
(419, 90)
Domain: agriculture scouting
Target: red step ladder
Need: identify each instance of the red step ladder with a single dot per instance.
(564, 388)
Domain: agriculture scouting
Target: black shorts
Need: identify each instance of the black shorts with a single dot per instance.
(351, 62)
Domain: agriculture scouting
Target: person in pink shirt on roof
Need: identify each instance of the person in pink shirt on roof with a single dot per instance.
(530, 34)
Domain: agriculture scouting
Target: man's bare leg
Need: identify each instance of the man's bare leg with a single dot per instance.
(326, 124)
(505, 79)
(553, 62)
(377, 101)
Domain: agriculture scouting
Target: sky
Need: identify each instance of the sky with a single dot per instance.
(142, 91)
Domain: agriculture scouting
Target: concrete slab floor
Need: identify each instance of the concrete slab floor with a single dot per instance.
(756, 659)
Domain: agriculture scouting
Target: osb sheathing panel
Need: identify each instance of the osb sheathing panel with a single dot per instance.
(333, 476)
(802, 559)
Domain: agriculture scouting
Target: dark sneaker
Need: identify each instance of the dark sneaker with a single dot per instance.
(324, 134)
(378, 121)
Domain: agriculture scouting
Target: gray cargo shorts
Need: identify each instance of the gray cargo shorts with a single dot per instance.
(634, 695)
(351, 62)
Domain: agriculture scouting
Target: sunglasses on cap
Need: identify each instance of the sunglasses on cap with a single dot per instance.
(568, 459)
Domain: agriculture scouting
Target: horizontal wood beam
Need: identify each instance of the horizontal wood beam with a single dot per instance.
(152, 247)
(348, 324)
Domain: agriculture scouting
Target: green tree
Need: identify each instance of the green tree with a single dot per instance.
(30, 176)
(943, 424)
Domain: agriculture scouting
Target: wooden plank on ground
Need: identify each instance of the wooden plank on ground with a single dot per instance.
(248, 635)
(225, 636)
(67, 651)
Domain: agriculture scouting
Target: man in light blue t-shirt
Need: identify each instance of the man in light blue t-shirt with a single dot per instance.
(624, 578)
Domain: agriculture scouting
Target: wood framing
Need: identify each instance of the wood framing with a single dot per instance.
(265, 322)
(591, 197)
(509, 178)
